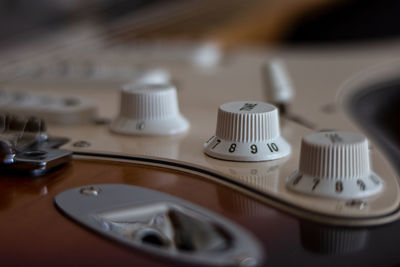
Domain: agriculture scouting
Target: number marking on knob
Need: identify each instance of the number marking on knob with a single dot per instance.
(334, 138)
(253, 149)
(339, 187)
(248, 107)
(361, 184)
(217, 142)
(297, 179)
(273, 147)
(335, 164)
(247, 131)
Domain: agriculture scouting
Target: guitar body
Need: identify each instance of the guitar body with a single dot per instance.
(34, 232)
(293, 229)
(29, 213)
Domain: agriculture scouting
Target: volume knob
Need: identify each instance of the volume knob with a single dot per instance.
(247, 131)
(149, 109)
(335, 164)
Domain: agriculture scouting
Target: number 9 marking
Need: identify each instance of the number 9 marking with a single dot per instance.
(253, 149)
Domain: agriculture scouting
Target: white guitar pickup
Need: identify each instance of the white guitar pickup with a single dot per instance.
(65, 110)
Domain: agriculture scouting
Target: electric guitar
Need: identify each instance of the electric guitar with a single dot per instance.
(102, 185)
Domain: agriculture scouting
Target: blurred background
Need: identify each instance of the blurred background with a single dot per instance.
(230, 23)
(104, 40)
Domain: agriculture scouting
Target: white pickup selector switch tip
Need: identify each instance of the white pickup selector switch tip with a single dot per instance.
(247, 131)
(335, 164)
(149, 109)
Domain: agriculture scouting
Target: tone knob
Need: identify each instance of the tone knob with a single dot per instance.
(149, 109)
(247, 131)
(335, 164)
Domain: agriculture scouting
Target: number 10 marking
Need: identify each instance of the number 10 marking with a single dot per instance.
(273, 147)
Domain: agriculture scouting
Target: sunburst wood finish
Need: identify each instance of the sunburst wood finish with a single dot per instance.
(34, 232)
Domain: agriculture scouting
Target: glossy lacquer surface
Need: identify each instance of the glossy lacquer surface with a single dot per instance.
(34, 232)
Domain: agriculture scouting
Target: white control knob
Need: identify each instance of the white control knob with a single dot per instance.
(335, 164)
(149, 109)
(247, 131)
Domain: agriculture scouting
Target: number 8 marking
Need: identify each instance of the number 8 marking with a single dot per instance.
(232, 148)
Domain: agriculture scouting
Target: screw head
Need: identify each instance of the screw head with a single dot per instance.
(81, 144)
(90, 191)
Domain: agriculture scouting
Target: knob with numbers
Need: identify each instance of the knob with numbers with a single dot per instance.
(149, 109)
(247, 131)
(335, 164)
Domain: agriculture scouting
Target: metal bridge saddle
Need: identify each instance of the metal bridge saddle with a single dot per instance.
(25, 146)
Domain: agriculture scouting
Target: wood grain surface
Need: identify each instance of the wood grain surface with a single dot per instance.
(34, 232)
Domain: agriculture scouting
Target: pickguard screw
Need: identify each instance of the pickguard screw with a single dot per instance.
(90, 191)
(81, 144)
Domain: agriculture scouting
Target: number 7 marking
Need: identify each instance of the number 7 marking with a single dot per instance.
(216, 143)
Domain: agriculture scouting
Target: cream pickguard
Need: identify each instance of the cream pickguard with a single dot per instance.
(317, 78)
